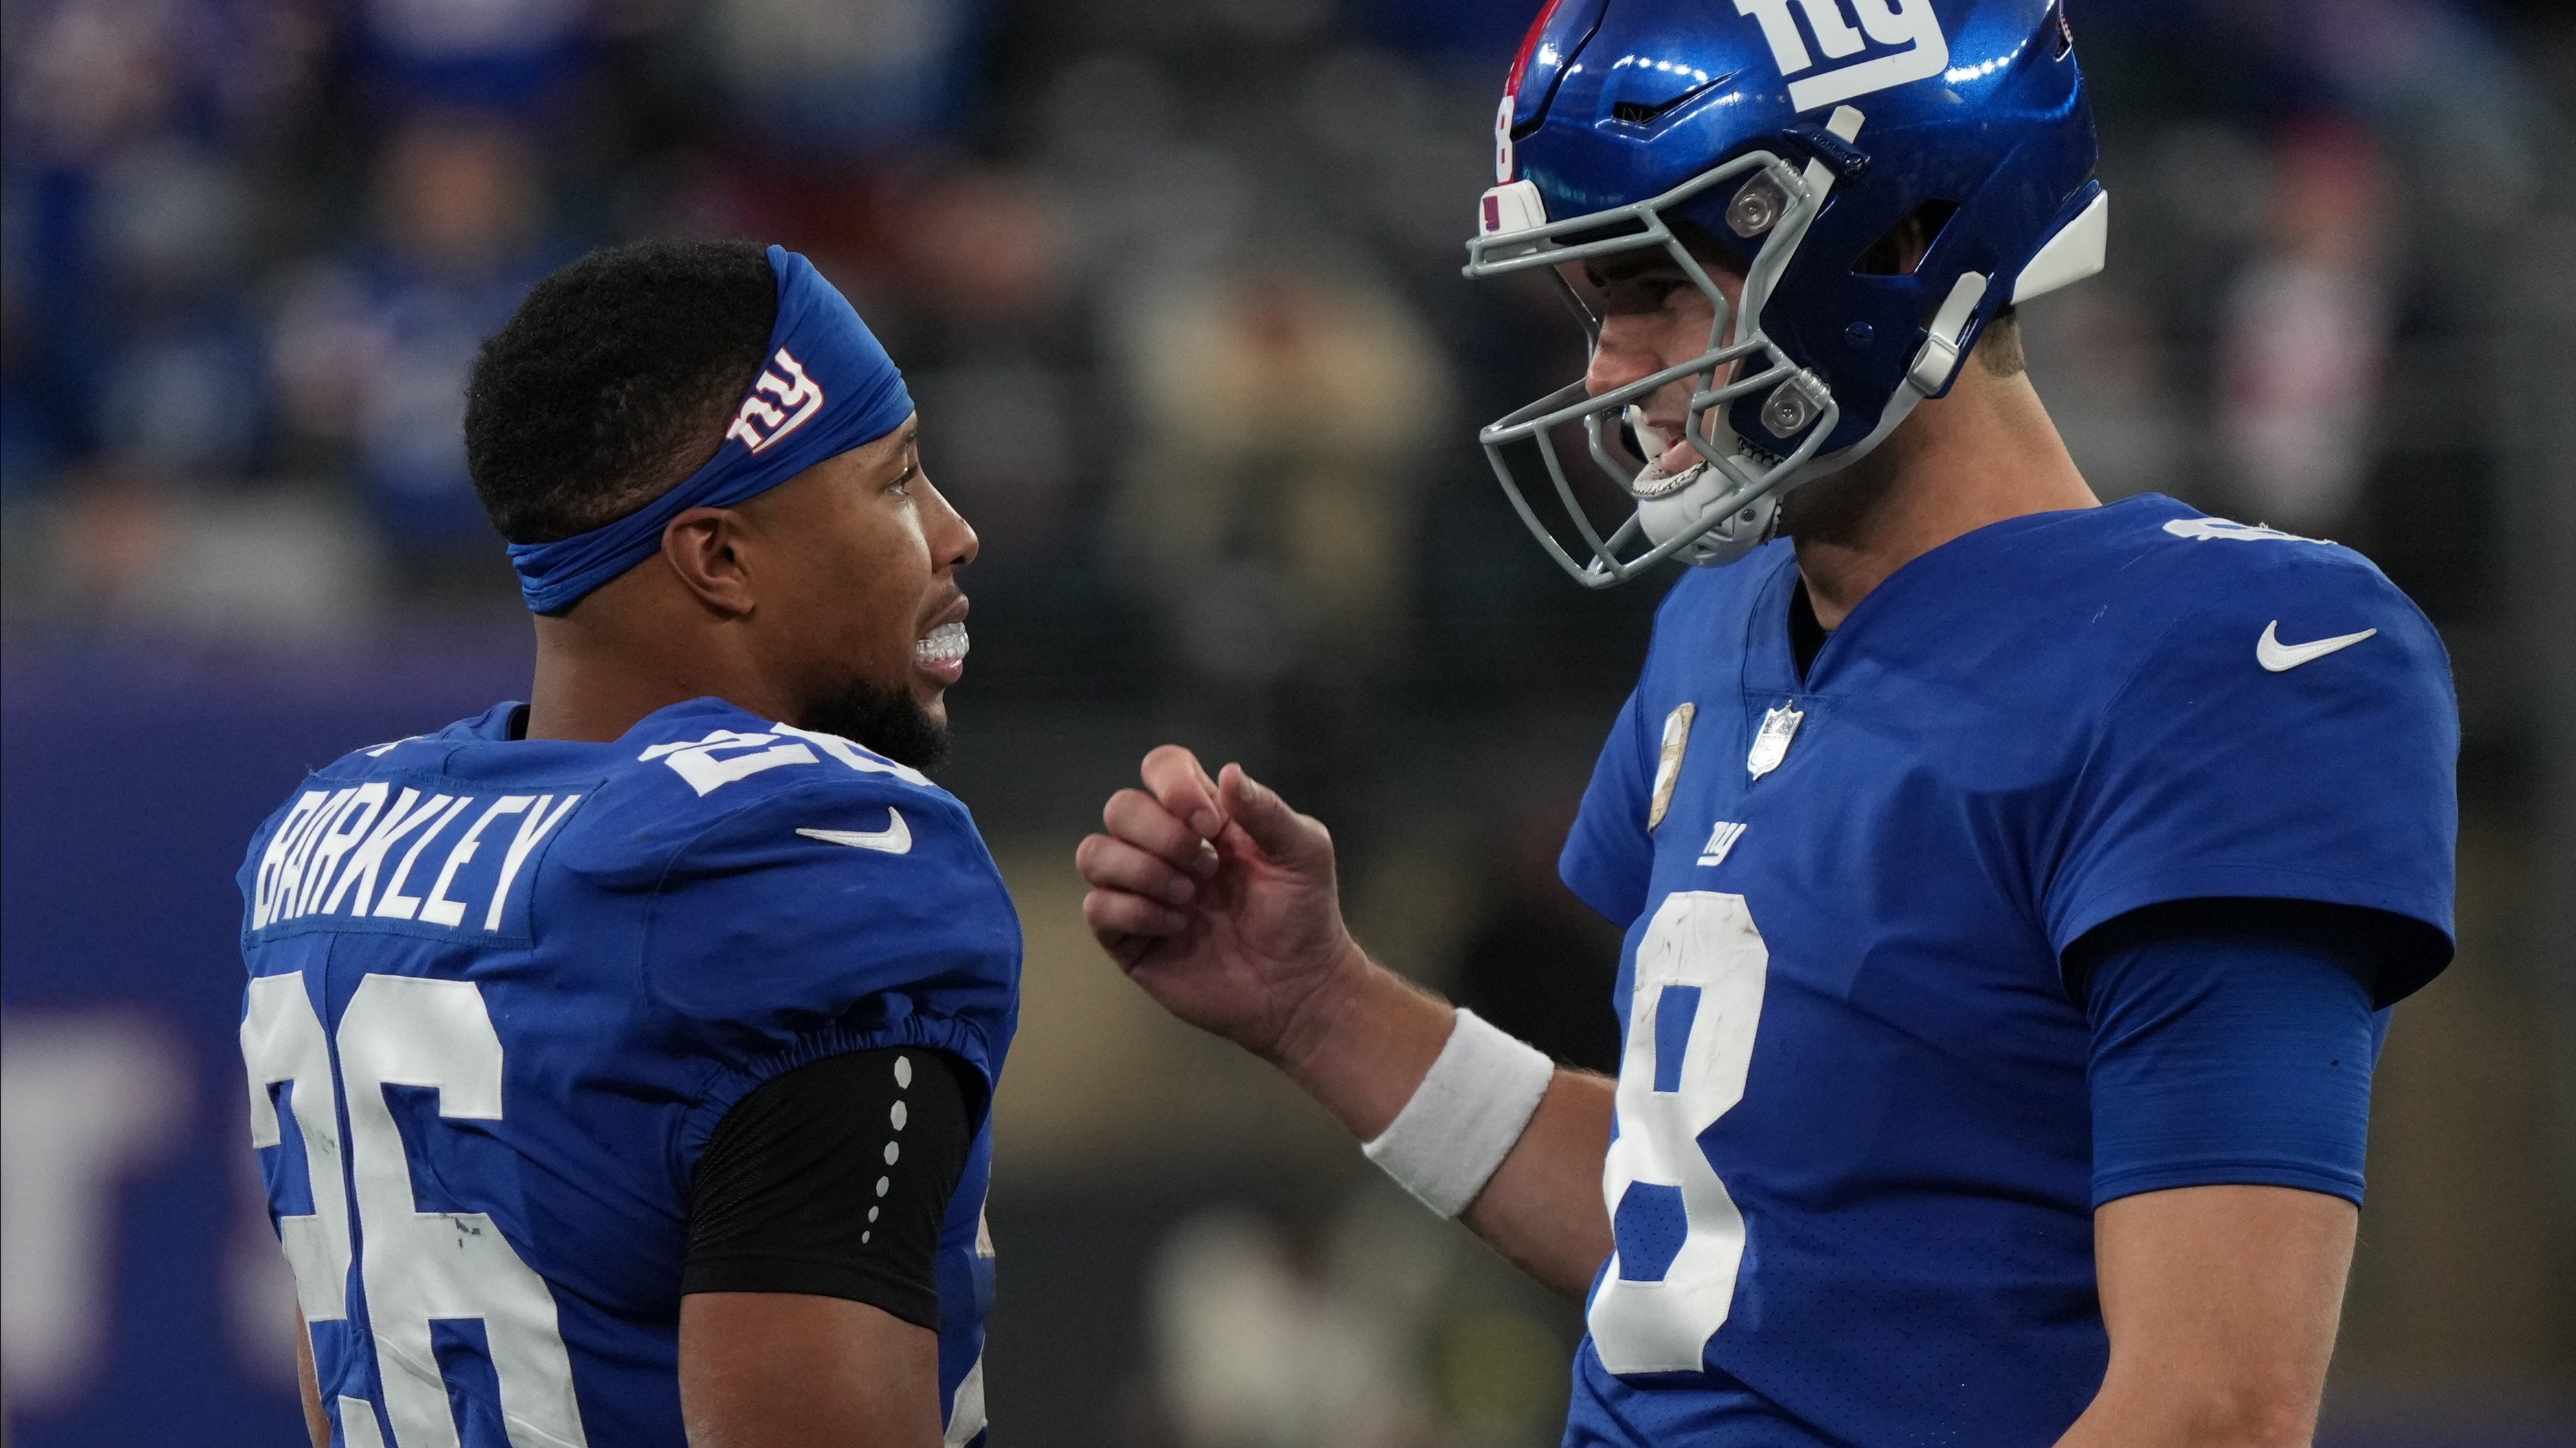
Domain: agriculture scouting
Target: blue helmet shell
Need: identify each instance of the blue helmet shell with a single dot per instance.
(1620, 101)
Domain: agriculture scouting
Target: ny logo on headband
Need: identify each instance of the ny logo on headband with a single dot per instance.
(759, 424)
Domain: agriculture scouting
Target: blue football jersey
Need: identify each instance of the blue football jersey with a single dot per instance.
(1851, 1182)
(501, 993)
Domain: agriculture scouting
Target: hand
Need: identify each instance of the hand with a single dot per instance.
(1220, 901)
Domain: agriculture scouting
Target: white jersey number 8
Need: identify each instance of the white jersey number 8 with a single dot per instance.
(1691, 1020)
(417, 1266)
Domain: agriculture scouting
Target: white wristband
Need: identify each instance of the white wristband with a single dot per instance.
(1463, 1119)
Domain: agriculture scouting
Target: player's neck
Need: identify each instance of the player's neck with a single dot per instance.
(1984, 453)
(616, 659)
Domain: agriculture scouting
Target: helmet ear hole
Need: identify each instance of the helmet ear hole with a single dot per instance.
(1902, 248)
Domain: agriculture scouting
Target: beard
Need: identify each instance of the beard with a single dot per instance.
(885, 719)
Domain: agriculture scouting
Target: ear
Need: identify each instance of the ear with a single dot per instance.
(704, 547)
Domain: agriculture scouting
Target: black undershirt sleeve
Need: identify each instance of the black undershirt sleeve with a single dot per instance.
(834, 1180)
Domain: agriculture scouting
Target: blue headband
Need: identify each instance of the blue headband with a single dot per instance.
(828, 387)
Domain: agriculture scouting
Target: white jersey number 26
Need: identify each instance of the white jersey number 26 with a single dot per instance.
(418, 1266)
(1691, 1020)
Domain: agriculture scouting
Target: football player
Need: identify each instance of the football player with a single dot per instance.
(619, 1060)
(2015, 886)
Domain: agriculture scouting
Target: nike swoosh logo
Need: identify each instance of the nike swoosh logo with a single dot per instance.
(894, 839)
(2280, 658)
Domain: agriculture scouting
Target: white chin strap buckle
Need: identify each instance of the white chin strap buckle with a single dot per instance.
(1939, 359)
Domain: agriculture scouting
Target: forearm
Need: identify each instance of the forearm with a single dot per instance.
(2132, 1411)
(1543, 1210)
(1362, 1041)
(1362, 1049)
(317, 1424)
(2221, 1303)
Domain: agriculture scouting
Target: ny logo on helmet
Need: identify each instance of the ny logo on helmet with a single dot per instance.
(759, 424)
(1885, 23)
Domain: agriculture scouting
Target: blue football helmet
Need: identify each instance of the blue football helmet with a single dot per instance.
(1791, 137)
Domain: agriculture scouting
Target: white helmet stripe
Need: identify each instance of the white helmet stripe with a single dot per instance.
(2074, 253)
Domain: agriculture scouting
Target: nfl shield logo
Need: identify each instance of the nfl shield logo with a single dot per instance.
(1779, 726)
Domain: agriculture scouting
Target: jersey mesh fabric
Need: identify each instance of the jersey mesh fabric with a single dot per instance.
(2027, 733)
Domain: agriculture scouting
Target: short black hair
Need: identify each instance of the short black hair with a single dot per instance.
(613, 381)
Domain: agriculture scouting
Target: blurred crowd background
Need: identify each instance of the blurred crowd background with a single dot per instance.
(1176, 286)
